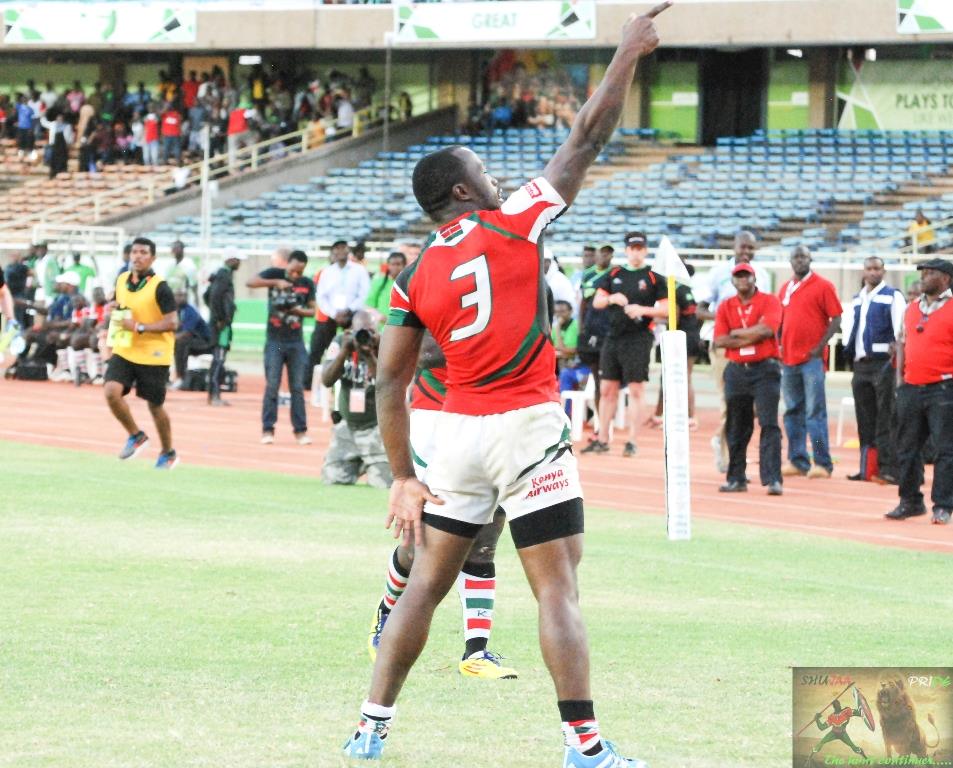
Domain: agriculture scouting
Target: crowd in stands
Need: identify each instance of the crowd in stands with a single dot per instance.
(524, 93)
(165, 124)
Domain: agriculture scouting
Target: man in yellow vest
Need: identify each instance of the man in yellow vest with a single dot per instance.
(142, 336)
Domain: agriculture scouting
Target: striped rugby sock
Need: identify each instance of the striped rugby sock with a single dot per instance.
(580, 727)
(396, 582)
(476, 585)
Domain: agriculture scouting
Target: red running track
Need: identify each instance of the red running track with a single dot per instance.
(64, 416)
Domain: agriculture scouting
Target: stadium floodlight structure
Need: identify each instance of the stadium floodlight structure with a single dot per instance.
(678, 497)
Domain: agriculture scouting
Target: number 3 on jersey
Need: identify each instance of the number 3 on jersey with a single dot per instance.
(481, 297)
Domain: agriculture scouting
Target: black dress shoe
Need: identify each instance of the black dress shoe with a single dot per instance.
(941, 516)
(733, 486)
(902, 511)
(775, 489)
(858, 476)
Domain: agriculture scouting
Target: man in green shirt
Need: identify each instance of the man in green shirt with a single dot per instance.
(572, 374)
(593, 323)
(82, 271)
(356, 446)
(378, 296)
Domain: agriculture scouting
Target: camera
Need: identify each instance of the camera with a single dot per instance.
(362, 337)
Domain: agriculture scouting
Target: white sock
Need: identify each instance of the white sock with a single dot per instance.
(71, 361)
(92, 364)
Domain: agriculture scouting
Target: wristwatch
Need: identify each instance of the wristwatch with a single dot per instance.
(140, 328)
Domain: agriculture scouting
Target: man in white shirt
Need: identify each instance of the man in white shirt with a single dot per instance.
(183, 275)
(720, 288)
(342, 288)
(345, 113)
(876, 324)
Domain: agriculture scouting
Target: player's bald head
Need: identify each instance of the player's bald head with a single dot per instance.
(435, 176)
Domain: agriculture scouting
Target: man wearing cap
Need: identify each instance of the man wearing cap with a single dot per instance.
(720, 288)
(221, 304)
(746, 327)
(870, 350)
(630, 293)
(925, 395)
(341, 291)
(810, 316)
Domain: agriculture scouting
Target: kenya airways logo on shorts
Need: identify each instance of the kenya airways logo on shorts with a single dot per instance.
(533, 189)
(548, 483)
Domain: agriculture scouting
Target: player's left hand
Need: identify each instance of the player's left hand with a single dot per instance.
(406, 507)
(128, 324)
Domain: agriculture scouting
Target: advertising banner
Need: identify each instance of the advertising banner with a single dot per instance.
(492, 22)
(898, 95)
(61, 23)
(918, 16)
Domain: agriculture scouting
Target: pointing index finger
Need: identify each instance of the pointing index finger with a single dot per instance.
(658, 9)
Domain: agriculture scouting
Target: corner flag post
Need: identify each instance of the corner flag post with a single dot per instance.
(675, 402)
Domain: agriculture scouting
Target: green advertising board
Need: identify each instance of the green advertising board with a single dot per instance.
(919, 16)
(896, 95)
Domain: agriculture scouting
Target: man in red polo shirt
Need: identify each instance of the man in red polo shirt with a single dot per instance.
(171, 134)
(925, 395)
(810, 316)
(746, 327)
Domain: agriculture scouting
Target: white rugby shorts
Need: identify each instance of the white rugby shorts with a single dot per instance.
(519, 460)
(423, 429)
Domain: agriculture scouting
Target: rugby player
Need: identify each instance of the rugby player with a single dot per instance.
(501, 438)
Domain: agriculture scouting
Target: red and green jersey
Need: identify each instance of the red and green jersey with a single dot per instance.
(429, 390)
(477, 287)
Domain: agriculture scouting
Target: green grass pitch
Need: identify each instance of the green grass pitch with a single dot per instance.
(210, 617)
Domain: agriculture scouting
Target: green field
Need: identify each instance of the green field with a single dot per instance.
(218, 618)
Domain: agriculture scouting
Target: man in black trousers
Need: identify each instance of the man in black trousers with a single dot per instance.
(925, 395)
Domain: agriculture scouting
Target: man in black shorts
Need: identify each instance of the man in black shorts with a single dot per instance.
(630, 293)
(142, 336)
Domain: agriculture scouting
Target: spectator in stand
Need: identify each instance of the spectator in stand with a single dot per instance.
(238, 131)
(25, 137)
(60, 138)
(746, 327)
(198, 118)
(150, 137)
(721, 287)
(192, 337)
(221, 304)
(190, 90)
(344, 114)
(633, 295)
(811, 315)
(378, 295)
(871, 351)
(76, 97)
(171, 131)
(138, 100)
(925, 395)
(290, 299)
(341, 291)
(183, 275)
(49, 97)
(922, 235)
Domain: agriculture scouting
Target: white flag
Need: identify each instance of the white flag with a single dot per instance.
(667, 263)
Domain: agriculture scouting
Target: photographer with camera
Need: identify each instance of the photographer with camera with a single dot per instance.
(290, 299)
(356, 446)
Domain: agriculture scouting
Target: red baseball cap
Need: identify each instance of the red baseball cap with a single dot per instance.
(743, 267)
